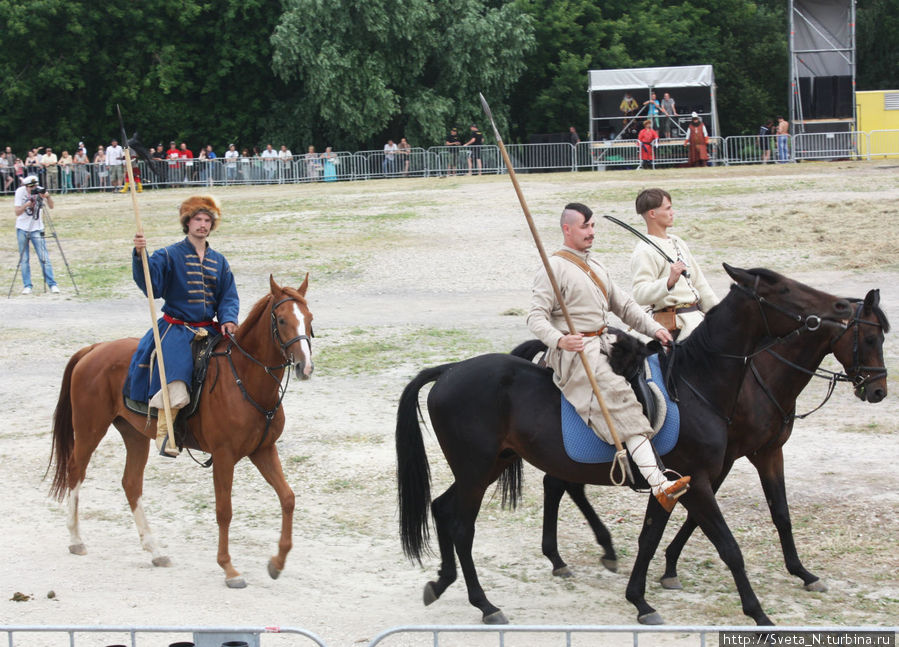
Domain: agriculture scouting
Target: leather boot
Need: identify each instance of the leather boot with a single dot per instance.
(667, 498)
(162, 434)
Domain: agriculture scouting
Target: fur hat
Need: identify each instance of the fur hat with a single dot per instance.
(197, 203)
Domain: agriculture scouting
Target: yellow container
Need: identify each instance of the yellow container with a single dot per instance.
(878, 115)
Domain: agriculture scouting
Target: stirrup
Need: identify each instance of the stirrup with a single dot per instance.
(162, 449)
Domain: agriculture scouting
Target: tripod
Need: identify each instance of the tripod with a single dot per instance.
(48, 221)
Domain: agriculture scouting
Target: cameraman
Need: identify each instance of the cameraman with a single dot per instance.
(29, 203)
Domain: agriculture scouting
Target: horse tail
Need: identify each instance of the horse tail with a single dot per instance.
(510, 484)
(63, 431)
(413, 473)
(528, 349)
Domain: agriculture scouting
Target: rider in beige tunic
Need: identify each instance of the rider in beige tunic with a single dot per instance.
(589, 306)
(676, 301)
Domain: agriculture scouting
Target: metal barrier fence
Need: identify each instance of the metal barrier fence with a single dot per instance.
(816, 146)
(684, 635)
(117, 636)
(882, 144)
(456, 160)
(450, 635)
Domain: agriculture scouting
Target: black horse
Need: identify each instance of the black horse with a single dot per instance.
(491, 410)
(758, 427)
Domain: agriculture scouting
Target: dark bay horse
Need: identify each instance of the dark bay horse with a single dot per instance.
(491, 410)
(759, 426)
(239, 415)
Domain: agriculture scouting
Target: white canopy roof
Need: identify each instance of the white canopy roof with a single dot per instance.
(684, 76)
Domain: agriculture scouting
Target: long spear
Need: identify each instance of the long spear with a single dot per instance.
(620, 454)
(167, 407)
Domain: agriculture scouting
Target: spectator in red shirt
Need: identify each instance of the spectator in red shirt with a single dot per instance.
(186, 154)
(647, 137)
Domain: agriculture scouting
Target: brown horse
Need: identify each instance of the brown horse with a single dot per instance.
(239, 415)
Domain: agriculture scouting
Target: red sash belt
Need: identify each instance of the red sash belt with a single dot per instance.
(194, 324)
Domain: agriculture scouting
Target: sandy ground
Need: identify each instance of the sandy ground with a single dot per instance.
(454, 257)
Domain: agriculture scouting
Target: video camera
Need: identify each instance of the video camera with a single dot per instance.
(38, 190)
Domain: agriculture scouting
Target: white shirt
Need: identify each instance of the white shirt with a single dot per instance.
(231, 156)
(115, 155)
(389, 150)
(285, 155)
(26, 221)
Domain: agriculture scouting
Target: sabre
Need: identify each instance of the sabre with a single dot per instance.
(167, 408)
(645, 239)
(620, 453)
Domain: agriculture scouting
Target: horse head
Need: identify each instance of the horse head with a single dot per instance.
(786, 305)
(859, 348)
(292, 326)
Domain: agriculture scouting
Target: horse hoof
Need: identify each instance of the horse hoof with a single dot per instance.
(162, 561)
(653, 618)
(563, 572)
(430, 594)
(496, 618)
(273, 571)
(818, 586)
(78, 549)
(610, 564)
(235, 582)
(671, 583)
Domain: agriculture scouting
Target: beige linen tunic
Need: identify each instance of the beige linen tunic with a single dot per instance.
(649, 276)
(589, 310)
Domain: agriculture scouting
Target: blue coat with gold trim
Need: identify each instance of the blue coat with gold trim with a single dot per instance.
(193, 292)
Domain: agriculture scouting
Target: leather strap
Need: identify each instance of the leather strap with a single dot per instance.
(595, 333)
(680, 308)
(572, 258)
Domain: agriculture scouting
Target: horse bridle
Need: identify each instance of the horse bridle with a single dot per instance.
(873, 372)
(809, 323)
(276, 334)
(269, 414)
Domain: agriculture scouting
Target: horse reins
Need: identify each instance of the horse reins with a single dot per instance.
(269, 414)
(808, 323)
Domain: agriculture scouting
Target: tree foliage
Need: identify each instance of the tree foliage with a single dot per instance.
(369, 70)
(351, 74)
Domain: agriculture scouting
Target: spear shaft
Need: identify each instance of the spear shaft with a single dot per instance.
(620, 455)
(166, 405)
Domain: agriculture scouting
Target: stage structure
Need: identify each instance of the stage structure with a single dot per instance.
(691, 86)
(822, 66)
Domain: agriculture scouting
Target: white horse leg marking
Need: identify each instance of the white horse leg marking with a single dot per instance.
(147, 540)
(76, 546)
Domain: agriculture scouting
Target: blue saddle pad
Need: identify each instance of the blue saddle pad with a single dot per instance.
(584, 446)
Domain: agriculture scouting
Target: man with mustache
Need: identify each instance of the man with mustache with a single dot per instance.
(200, 298)
(590, 295)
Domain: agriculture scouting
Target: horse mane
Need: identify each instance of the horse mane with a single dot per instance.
(255, 313)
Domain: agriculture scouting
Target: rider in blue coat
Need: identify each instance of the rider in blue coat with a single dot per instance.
(196, 283)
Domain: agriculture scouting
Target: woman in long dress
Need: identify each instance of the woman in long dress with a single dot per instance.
(329, 162)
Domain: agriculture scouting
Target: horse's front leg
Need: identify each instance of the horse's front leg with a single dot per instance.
(223, 478)
(268, 463)
(669, 579)
(654, 522)
(701, 504)
(770, 466)
(137, 449)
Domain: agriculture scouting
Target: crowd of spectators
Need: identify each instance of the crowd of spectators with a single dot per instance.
(168, 166)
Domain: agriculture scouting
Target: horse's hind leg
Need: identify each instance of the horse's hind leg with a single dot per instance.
(603, 537)
(553, 490)
(442, 510)
(463, 513)
(268, 463)
(137, 448)
(84, 444)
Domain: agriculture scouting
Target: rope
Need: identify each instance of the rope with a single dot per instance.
(620, 462)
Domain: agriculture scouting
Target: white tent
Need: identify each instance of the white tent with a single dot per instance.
(691, 86)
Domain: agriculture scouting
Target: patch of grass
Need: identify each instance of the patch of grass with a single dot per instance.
(375, 351)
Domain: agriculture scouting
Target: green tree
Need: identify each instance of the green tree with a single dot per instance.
(877, 49)
(375, 69)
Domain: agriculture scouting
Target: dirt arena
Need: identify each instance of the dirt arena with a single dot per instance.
(405, 274)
